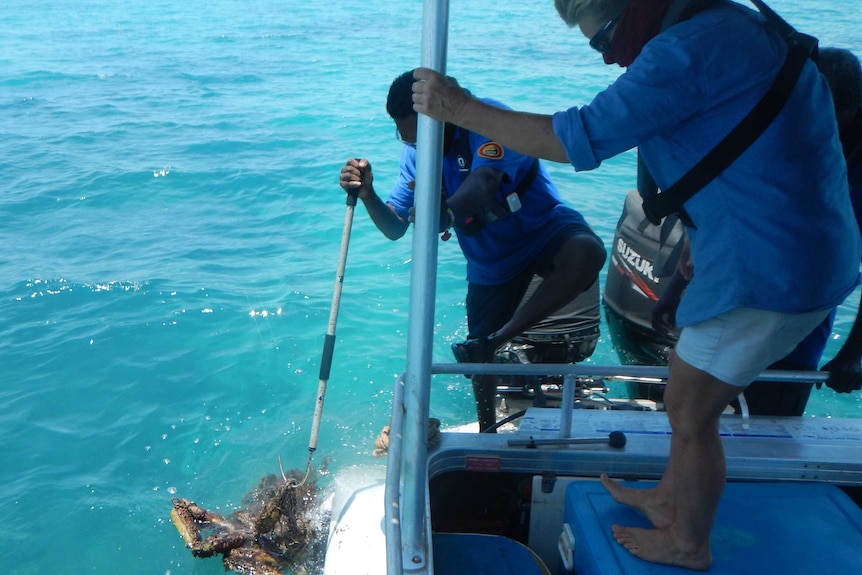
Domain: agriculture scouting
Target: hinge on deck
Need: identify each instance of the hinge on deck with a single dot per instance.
(549, 479)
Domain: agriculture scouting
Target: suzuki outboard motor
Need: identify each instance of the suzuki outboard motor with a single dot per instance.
(643, 259)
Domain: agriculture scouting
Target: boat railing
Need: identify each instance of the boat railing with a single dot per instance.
(395, 547)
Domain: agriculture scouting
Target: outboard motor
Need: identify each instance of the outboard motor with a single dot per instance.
(643, 259)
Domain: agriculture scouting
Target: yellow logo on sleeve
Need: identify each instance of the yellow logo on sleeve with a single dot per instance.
(490, 151)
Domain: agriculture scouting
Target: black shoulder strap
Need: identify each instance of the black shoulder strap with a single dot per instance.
(678, 11)
(788, 32)
(801, 47)
(527, 181)
(733, 145)
(463, 151)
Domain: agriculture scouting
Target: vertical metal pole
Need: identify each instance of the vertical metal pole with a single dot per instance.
(392, 494)
(567, 406)
(423, 289)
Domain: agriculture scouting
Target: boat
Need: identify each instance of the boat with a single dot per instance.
(509, 502)
(528, 500)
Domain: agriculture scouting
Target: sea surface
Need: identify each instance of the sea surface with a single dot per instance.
(170, 224)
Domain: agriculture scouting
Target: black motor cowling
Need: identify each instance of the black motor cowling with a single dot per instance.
(643, 259)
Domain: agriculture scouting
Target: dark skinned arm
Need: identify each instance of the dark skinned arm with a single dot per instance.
(357, 175)
(475, 194)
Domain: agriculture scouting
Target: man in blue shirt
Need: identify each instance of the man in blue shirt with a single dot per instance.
(511, 225)
(772, 237)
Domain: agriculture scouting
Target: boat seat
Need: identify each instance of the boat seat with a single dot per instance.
(480, 554)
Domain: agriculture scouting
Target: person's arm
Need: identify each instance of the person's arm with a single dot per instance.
(357, 175)
(845, 371)
(476, 193)
(443, 99)
(384, 217)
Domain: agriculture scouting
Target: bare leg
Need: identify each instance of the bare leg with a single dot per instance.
(689, 497)
(656, 503)
(576, 267)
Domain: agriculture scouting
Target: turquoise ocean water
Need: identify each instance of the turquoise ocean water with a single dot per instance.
(170, 222)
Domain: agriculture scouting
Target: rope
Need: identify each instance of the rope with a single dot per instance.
(308, 468)
(381, 444)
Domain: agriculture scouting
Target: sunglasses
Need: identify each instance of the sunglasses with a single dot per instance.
(601, 41)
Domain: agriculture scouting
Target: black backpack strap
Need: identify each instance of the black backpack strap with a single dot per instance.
(646, 184)
(788, 32)
(734, 144)
(801, 48)
(464, 154)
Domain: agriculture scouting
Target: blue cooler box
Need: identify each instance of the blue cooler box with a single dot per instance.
(760, 528)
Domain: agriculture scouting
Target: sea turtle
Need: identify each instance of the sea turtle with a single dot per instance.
(271, 531)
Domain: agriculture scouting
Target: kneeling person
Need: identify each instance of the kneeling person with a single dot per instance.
(511, 225)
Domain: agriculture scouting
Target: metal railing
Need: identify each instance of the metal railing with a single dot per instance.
(401, 558)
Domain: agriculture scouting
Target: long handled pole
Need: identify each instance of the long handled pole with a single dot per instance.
(329, 341)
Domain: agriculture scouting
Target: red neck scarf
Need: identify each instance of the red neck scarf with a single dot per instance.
(639, 23)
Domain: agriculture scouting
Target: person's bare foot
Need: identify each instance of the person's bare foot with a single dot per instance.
(656, 507)
(660, 546)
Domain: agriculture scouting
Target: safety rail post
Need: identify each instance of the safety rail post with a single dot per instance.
(423, 282)
(567, 405)
(392, 491)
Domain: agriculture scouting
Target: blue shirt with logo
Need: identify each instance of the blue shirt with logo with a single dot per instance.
(504, 248)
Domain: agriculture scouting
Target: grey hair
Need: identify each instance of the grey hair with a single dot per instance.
(572, 11)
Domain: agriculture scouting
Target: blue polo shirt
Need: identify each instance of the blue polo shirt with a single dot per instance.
(775, 231)
(505, 248)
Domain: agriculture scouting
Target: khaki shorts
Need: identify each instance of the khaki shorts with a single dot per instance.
(735, 347)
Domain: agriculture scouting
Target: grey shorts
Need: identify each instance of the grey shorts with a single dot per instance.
(489, 307)
(735, 347)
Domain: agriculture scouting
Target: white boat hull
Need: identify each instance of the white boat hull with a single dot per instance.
(357, 543)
